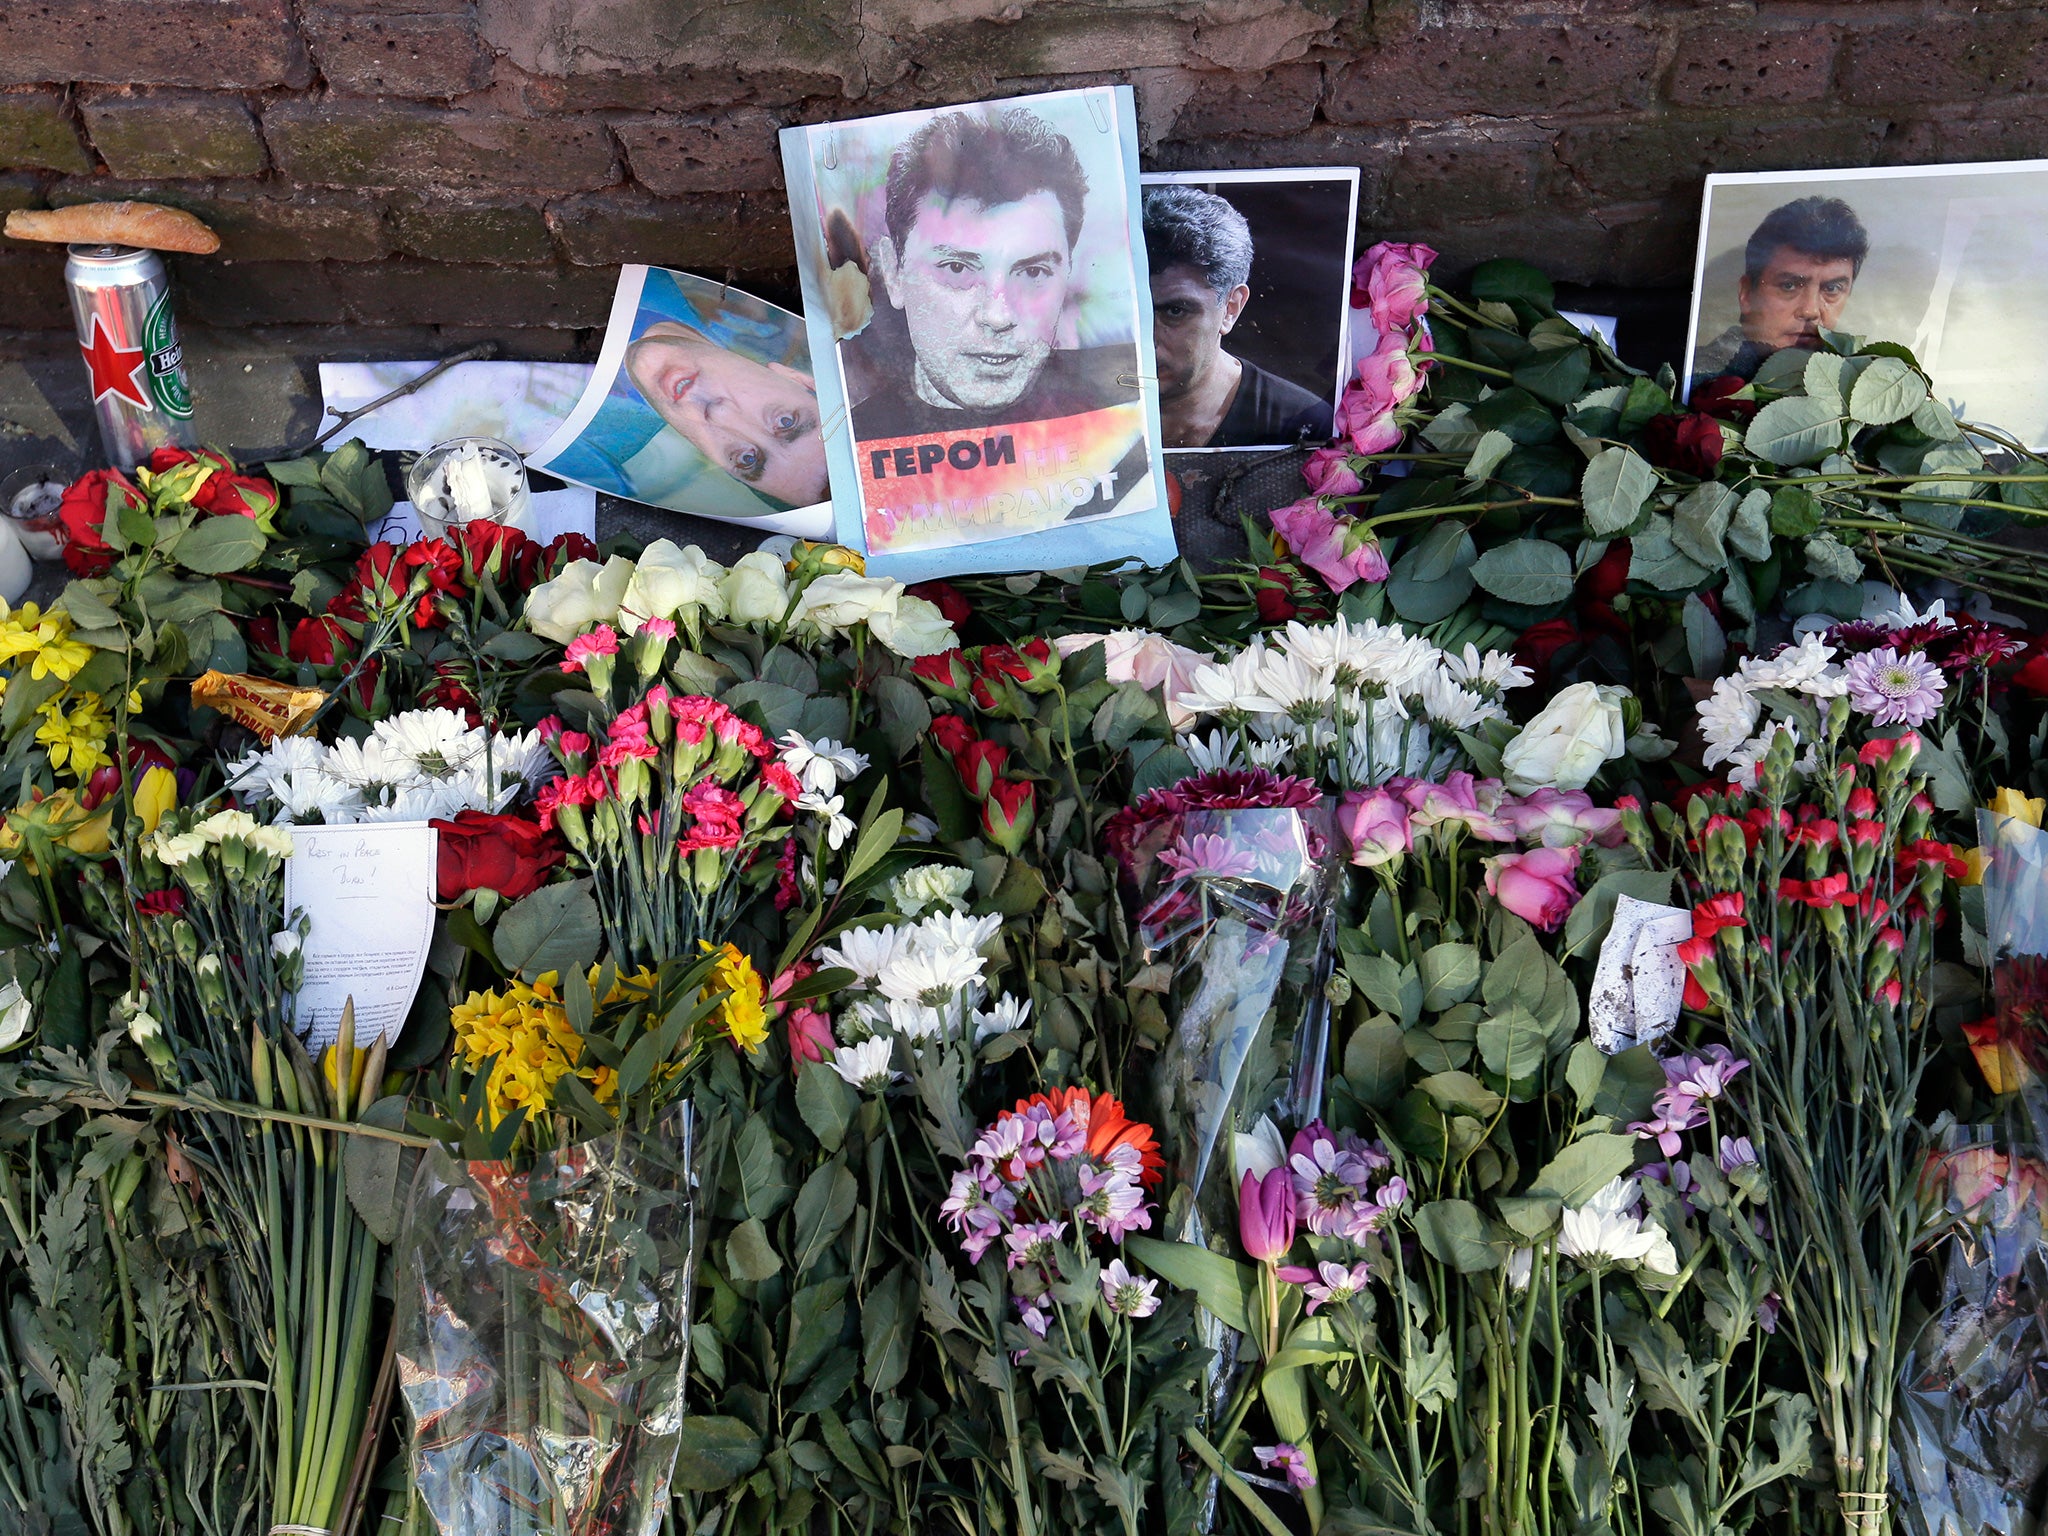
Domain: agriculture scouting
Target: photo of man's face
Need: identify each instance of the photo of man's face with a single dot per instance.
(1796, 296)
(982, 289)
(1189, 321)
(756, 421)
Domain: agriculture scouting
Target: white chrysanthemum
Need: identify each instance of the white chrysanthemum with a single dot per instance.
(258, 774)
(1008, 1013)
(1387, 655)
(435, 800)
(1229, 688)
(1803, 668)
(820, 764)
(1602, 1232)
(1494, 673)
(437, 741)
(313, 795)
(915, 1021)
(520, 755)
(866, 1065)
(1214, 752)
(1453, 706)
(956, 930)
(927, 886)
(1900, 614)
(933, 977)
(1269, 754)
(370, 764)
(1728, 718)
(1296, 685)
(866, 951)
(838, 825)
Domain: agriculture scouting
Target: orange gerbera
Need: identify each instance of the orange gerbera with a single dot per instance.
(1105, 1127)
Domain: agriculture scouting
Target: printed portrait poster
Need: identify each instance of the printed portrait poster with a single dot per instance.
(1251, 304)
(974, 285)
(702, 401)
(1945, 260)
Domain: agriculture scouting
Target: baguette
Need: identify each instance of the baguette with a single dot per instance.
(148, 225)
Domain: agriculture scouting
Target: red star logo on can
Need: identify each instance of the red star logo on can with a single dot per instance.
(114, 367)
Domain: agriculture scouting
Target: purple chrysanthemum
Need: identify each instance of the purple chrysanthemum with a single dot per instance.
(1894, 689)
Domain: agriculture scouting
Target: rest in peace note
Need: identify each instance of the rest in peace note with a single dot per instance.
(368, 893)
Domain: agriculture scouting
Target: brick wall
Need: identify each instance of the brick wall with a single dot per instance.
(483, 163)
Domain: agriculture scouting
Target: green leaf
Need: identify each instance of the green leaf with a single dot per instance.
(714, 1453)
(1486, 457)
(1583, 1070)
(749, 1256)
(1533, 572)
(1376, 1060)
(1749, 531)
(1794, 430)
(371, 1167)
(758, 1169)
(1888, 391)
(817, 1315)
(554, 929)
(220, 544)
(1936, 420)
(1700, 521)
(1513, 1043)
(1461, 1093)
(1829, 559)
(1558, 376)
(1655, 559)
(1450, 974)
(1456, 1233)
(827, 1103)
(823, 1206)
(1505, 281)
(1425, 599)
(1614, 488)
(1585, 1167)
(878, 835)
(1223, 1285)
(906, 716)
(1706, 647)
(887, 1321)
(779, 706)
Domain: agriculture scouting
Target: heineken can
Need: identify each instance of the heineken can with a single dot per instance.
(121, 299)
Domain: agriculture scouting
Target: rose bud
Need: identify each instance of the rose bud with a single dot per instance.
(1009, 813)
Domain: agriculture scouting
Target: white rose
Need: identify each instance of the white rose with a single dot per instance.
(16, 1014)
(916, 628)
(560, 608)
(755, 590)
(838, 600)
(1564, 746)
(667, 580)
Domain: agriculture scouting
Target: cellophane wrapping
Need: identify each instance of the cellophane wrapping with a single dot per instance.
(543, 1334)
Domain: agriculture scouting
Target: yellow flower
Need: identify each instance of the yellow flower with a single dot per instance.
(805, 554)
(2010, 802)
(742, 1014)
(63, 820)
(155, 793)
(77, 742)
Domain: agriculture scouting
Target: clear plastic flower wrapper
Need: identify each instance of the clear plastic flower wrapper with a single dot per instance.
(543, 1334)
(1970, 1427)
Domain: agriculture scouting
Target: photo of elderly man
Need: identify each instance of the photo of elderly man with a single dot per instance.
(1799, 268)
(1199, 249)
(982, 214)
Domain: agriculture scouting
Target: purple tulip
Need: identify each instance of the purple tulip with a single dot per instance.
(1265, 1214)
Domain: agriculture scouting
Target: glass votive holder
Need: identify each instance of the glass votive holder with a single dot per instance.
(469, 480)
(30, 497)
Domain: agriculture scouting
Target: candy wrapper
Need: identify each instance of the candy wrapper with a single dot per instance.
(1970, 1427)
(543, 1335)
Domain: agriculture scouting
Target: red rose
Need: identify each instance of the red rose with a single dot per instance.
(946, 597)
(565, 548)
(980, 764)
(945, 673)
(2032, 677)
(321, 642)
(1722, 398)
(1009, 813)
(1002, 661)
(84, 513)
(1275, 596)
(1601, 585)
(449, 690)
(441, 561)
(507, 854)
(170, 458)
(952, 733)
(226, 495)
(262, 634)
(1690, 444)
(1539, 646)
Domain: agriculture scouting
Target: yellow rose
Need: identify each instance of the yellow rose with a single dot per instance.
(2010, 802)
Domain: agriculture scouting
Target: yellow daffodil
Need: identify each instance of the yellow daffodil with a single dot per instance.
(77, 740)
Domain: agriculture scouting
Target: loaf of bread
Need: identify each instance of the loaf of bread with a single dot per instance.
(150, 225)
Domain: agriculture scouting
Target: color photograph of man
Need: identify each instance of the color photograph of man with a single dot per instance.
(982, 214)
(756, 421)
(1199, 249)
(1799, 267)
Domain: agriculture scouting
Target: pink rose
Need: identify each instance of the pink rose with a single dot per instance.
(1335, 548)
(1536, 886)
(1329, 473)
(1474, 804)
(1562, 818)
(1375, 823)
(1390, 279)
(1390, 374)
(1369, 433)
(810, 1036)
(1150, 660)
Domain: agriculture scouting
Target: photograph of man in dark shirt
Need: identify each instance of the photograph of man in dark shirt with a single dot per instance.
(1798, 268)
(1199, 250)
(982, 215)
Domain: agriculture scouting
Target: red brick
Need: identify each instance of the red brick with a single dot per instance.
(34, 131)
(257, 224)
(174, 133)
(1500, 71)
(32, 296)
(443, 228)
(663, 90)
(705, 152)
(1464, 172)
(434, 56)
(603, 229)
(435, 294)
(1658, 157)
(218, 44)
(1952, 59)
(1280, 101)
(236, 293)
(20, 189)
(1745, 66)
(390, 144)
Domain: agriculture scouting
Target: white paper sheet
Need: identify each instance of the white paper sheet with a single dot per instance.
(1639, 983)
(573, 509)
(368, 892)
(517, 403)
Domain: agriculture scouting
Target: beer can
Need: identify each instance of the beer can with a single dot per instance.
(121, 299)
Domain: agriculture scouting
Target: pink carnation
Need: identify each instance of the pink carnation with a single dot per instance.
(601, 641)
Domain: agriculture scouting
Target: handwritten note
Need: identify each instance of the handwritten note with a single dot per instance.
(368, 894)
(1639, 982)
